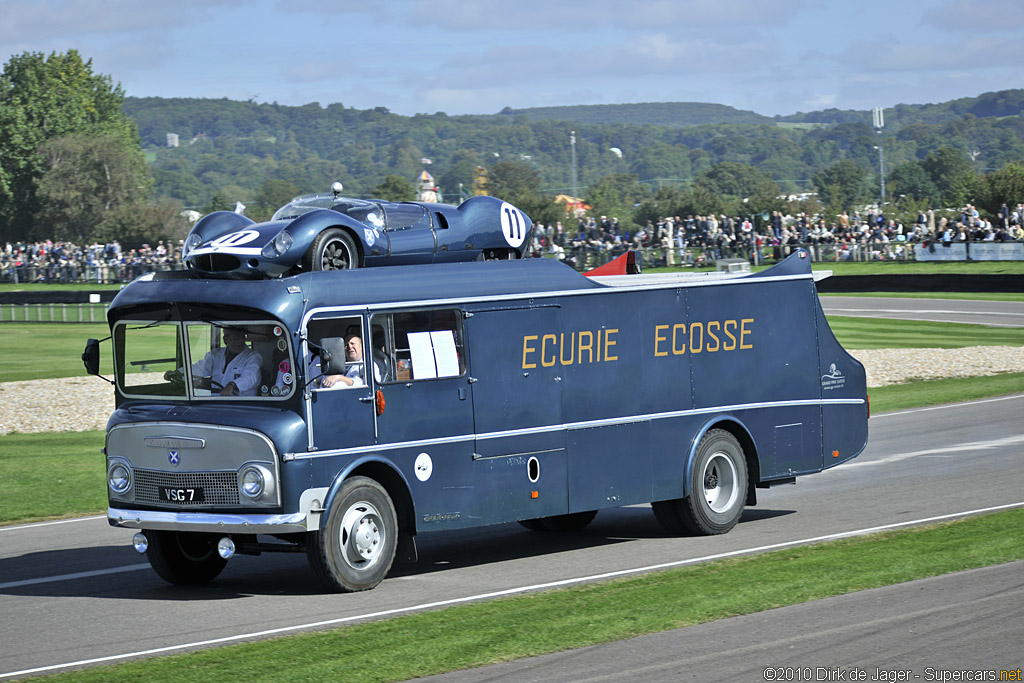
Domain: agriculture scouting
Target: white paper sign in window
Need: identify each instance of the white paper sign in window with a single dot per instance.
(433, 354)
(422, 352)
(445, 355)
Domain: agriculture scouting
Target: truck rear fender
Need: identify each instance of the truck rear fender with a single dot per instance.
(735, 427)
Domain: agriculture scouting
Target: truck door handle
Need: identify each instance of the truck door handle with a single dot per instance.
(366, 399)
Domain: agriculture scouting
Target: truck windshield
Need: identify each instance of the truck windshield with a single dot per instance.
(225, 359)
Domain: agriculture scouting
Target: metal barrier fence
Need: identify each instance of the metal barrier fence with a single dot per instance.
(587, 257)
(53, 313)
(77, 273)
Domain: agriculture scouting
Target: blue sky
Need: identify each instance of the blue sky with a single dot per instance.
(479, 56)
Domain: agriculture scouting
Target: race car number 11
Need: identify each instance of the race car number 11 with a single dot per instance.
(513, 225)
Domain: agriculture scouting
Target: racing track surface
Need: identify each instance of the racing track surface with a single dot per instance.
(995, 313)
(919, 464)
(74, 591)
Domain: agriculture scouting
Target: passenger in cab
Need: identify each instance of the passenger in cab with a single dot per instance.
(355, 370)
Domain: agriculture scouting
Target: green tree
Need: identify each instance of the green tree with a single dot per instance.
(395, 188)
(220, 201)
(144, 222)
(43, 98)
(84, 178)
(272, 195)
(513, 181)
(912, 180)
(841, 186)
(734, 179)
(1005, 185)
(616, 195)
(951, 171)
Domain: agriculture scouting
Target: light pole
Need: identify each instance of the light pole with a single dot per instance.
(572, 144)
(878, 120)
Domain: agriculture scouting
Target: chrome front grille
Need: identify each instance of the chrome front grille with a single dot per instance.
(219, 488)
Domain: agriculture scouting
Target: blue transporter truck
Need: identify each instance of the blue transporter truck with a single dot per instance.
(473, 394)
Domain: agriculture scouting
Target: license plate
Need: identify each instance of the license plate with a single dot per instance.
(173, 495)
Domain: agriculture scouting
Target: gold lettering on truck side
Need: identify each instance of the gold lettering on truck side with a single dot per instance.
(527, 349)
(708, 336)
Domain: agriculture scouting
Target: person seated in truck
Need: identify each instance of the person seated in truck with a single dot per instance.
(355, 367)
(231, 370)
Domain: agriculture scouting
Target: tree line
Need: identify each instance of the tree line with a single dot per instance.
(81, 161)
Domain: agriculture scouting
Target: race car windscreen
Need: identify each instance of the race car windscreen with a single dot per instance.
(301, 205)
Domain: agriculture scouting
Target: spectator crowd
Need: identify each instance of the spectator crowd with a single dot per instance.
(50, 261)
(671, 240)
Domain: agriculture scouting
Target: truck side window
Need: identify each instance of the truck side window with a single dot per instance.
(332, 362)
(421, 344)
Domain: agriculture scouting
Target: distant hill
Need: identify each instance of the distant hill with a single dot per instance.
(674, 114)
(680, 114)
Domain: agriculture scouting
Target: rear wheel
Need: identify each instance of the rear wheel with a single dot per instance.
(356, 546)
(184, 558)
(331, 250)
(718, 489)
(575, 521)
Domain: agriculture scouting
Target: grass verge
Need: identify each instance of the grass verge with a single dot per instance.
(884, 333)
(968, 296)
(483, 633)
(940, 391)
(54, 472)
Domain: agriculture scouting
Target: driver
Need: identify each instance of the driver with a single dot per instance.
(233, 369)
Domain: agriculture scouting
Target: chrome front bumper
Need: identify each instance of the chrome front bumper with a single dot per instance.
(297, 522)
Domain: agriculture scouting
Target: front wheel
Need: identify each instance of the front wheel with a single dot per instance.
(356, 546)
(331, 250)
(718, 489)
(184, 558)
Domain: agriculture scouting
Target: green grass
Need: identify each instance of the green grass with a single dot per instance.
(886, 268)
(56, 287)
(56, 474)
(936, 392)
(499, 630)
(48, 350)
(969, 296)
(884, 333)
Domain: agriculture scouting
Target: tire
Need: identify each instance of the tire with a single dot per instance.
(184, 558)
(576, 521)
(331, 250)
(533, 524)
(718, 489)
(498, 255)
(356, 546)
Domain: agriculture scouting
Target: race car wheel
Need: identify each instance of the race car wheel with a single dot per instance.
(354, 549)
(184, 558)
(718, 489)
(331, 250)
(498, 255)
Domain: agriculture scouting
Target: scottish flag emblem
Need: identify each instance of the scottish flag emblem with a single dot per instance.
(173, 457)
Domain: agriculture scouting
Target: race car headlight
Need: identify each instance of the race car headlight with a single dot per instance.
(193, 240)
(277, 246)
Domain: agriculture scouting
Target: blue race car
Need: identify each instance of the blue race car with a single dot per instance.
(330, 232)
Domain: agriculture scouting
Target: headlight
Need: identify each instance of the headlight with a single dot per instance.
(257, 484)
(252, 482)
(119, 477)
(277, 246)
(193, 240)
